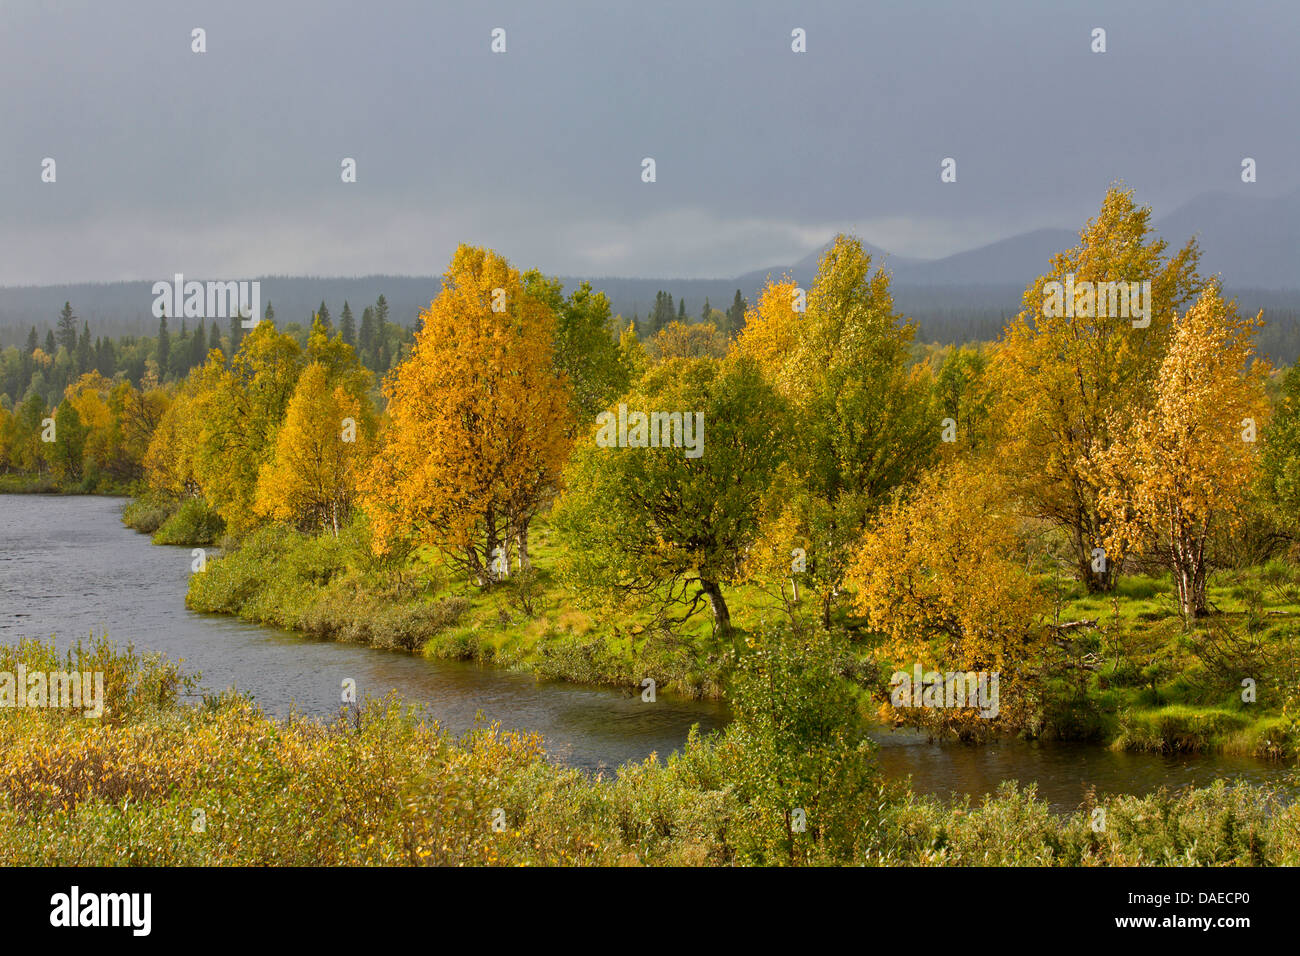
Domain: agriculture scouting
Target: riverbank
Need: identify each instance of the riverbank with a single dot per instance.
(334, 588)
(70, 568)
(1135, 679)
(24, 484)
(158, 783)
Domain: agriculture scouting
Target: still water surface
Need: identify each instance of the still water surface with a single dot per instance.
(69, 567)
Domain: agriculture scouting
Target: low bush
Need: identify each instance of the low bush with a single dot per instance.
(194, 523)
(385, 786)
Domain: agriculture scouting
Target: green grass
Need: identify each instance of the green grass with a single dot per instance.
(537, 625)
(1158, 689)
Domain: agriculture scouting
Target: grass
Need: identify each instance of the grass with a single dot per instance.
(333, 588)
(535, 623)
(1166, 686)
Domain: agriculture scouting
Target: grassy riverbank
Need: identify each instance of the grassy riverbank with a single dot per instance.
(18, 483)
(1130, 675)
(157, 783)
(335, 588)
(1230, 684)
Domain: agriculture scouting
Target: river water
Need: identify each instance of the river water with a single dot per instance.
(69, 567)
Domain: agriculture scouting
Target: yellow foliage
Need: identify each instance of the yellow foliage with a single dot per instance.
(1065, 383)
(1189, 460)
(479, 420)
(771, 330)
(320, 451)
(937, 576)
(696, 340)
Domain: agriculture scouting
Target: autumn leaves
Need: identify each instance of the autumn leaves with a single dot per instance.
(480, 422)
(1104, 435)
(828, 432)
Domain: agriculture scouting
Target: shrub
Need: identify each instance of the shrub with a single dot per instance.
(147, 514)
(797, 753)
(194, 523)
(386, 787)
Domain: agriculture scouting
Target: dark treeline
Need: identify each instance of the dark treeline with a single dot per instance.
(946, 314)
(51, 357)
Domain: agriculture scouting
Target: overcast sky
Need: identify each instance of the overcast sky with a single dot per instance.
(227, 164)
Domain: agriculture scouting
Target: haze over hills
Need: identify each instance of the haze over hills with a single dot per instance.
(1253, 242)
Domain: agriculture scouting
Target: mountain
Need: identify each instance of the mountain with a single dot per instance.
(805, 269)
(1014, 261)
(1253, 242)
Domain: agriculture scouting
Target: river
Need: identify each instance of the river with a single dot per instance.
(69, 567)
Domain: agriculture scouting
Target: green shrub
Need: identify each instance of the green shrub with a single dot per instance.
(194, 523)
(147, 514)
(797, 753)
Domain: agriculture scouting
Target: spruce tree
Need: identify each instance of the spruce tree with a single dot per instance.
(347, 325)
(237, 333)
(366, 337)
(85, 356)
(67, 327)
(164, 351)
(736, 314)
(199, 346)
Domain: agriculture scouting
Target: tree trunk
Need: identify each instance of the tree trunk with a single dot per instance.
(493, 543)
(1190, 569)
(1097, 582)
(521, 541)
(721, 615)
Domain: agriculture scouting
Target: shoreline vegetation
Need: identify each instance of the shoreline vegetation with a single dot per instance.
(1104, 514)
(157, 783)
(324, 587)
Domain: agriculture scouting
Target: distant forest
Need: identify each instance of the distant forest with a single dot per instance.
(945, 314)
(52, 357)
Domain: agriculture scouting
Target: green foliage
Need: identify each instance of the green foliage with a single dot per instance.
(585, 349)
(1280, 458)
(194, 523)
(281, 577)
(798, 753)
(652, 525)
(148, 513)
(64, 453)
